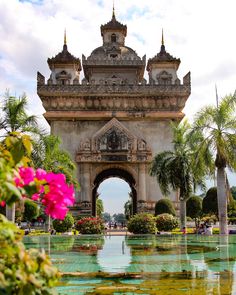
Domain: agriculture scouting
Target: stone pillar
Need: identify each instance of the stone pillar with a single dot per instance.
(10, 212)
(142, 182)
(87, 184)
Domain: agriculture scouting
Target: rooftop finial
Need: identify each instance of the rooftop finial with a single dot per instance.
(113, 10)
(162, 38)
(65, 37)
(163, 50)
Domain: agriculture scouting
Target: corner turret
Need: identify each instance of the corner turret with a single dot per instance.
(65, 68)
(162, 68)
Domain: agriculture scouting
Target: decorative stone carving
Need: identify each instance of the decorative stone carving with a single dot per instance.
(187, 79)
(84, 81)
(76, 81)
(40, 79)
(113, 129)
(164, 78)
(114, 143)
(177, 81)
(85, 145)
(141, 145)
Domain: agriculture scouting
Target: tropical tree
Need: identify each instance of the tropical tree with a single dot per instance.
(177, 169)
(48, 154)
(218, 127)
(119, 217)
(14, 116)
(14, 120)
(233, 192)
(128, 208)
(106, 217)
(99, 208)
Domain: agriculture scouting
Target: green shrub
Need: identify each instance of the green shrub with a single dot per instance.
(142, 223)
(62, 226)
(166, 222)
(209, 219)
(232, 220)
(209, 203)
(23, 271)
(194, 207)
(164, 206)
(31, 210)
(90, 225)
(232, 208)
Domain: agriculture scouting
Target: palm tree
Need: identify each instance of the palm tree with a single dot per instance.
(14, 118)
(48, 154)
(218, 126)
(177, 169)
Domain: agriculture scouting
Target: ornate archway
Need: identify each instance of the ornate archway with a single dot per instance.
(113, 151)
(114, 172)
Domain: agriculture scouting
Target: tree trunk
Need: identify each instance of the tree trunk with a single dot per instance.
(10, 212)
(182, 212)
(222, 200)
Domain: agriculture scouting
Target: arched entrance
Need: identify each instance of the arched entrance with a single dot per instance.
(114, 172)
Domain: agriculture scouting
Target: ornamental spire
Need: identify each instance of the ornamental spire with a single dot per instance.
(162, 38)
(65, 42)
(65, 37)
(113, 10)
(162, 43)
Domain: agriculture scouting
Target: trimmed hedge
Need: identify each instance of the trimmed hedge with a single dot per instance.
(166, 222)
(31, 210)
(142, 223)
(194, 207)
(62, 226)
(164, 206)
(90, 225)
(209, 202)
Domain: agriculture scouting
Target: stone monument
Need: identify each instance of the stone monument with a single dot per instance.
(113, 121)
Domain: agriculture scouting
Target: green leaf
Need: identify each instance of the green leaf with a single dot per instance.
(13, 189)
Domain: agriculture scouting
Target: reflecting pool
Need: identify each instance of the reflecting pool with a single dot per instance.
(142, 264)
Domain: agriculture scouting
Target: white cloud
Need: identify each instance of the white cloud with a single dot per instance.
(201, 33)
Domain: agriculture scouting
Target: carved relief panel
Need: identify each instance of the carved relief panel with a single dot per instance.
(114, 143)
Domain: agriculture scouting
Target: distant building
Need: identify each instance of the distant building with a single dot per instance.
(113, 121)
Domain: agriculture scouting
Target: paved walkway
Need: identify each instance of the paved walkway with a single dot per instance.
(117, 232)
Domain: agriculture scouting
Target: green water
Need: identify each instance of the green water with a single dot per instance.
(142, 264)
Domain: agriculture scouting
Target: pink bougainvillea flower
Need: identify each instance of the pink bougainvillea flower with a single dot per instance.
(2, 203)
(18, 182)
(27, 174)
(35, 197)
(54, 193)
(56, 211)
(40, 174)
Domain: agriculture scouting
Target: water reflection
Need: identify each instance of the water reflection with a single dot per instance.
(144, 265)
(115, 256)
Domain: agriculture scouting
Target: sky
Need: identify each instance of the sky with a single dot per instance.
(201, 33)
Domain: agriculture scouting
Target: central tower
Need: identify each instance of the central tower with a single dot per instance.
(113, 121)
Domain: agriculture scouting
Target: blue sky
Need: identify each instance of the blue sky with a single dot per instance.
(201, 33)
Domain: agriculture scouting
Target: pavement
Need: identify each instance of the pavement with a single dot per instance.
(117, 232)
